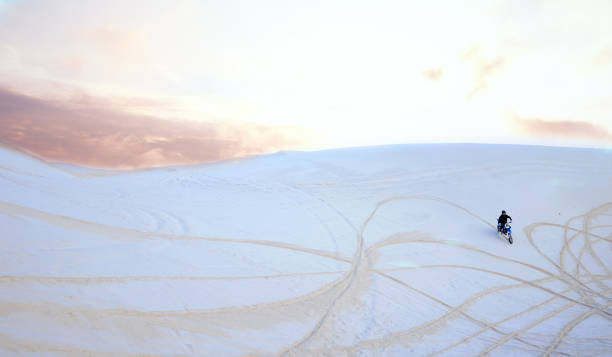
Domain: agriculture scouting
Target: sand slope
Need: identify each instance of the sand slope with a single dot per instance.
(371, 251)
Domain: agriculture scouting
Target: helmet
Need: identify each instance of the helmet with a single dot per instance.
(503, 212)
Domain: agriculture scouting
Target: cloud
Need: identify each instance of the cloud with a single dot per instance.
(89, 133)
(433, 74)
(122, 46)
(603, 57)
(566, 129)
(483, 68)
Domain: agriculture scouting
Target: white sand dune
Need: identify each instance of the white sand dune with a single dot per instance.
(364, 251)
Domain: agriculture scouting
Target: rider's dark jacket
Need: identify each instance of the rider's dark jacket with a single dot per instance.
(503, 219)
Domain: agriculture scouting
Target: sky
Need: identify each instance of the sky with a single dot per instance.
(129, 84)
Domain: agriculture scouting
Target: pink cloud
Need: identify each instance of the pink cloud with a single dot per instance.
(563, 129)
(433, 74)
(87, 133)
(120, 45)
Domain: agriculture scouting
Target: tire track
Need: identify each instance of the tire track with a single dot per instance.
(397, 239)
(532, 325)
(358, 260)
(128, 234)
(448, 171)
(349, 279)
(585, 296)
(566, 330)
(19, 347)
(445, 318)
(587, 245)
(575, 283)
(212, 322)
(423, 328)
(15, 306)
(587, 240)
(578, 260)
(523, 281)
(339, 288)
(512, 317)
(125, 279)
(529, 233)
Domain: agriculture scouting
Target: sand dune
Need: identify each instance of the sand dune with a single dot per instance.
(364, 251)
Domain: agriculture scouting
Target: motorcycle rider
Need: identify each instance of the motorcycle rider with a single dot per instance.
(501, 221)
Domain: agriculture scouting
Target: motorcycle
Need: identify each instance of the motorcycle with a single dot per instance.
(505, 231)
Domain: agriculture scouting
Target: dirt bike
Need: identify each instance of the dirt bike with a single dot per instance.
(505, 231)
